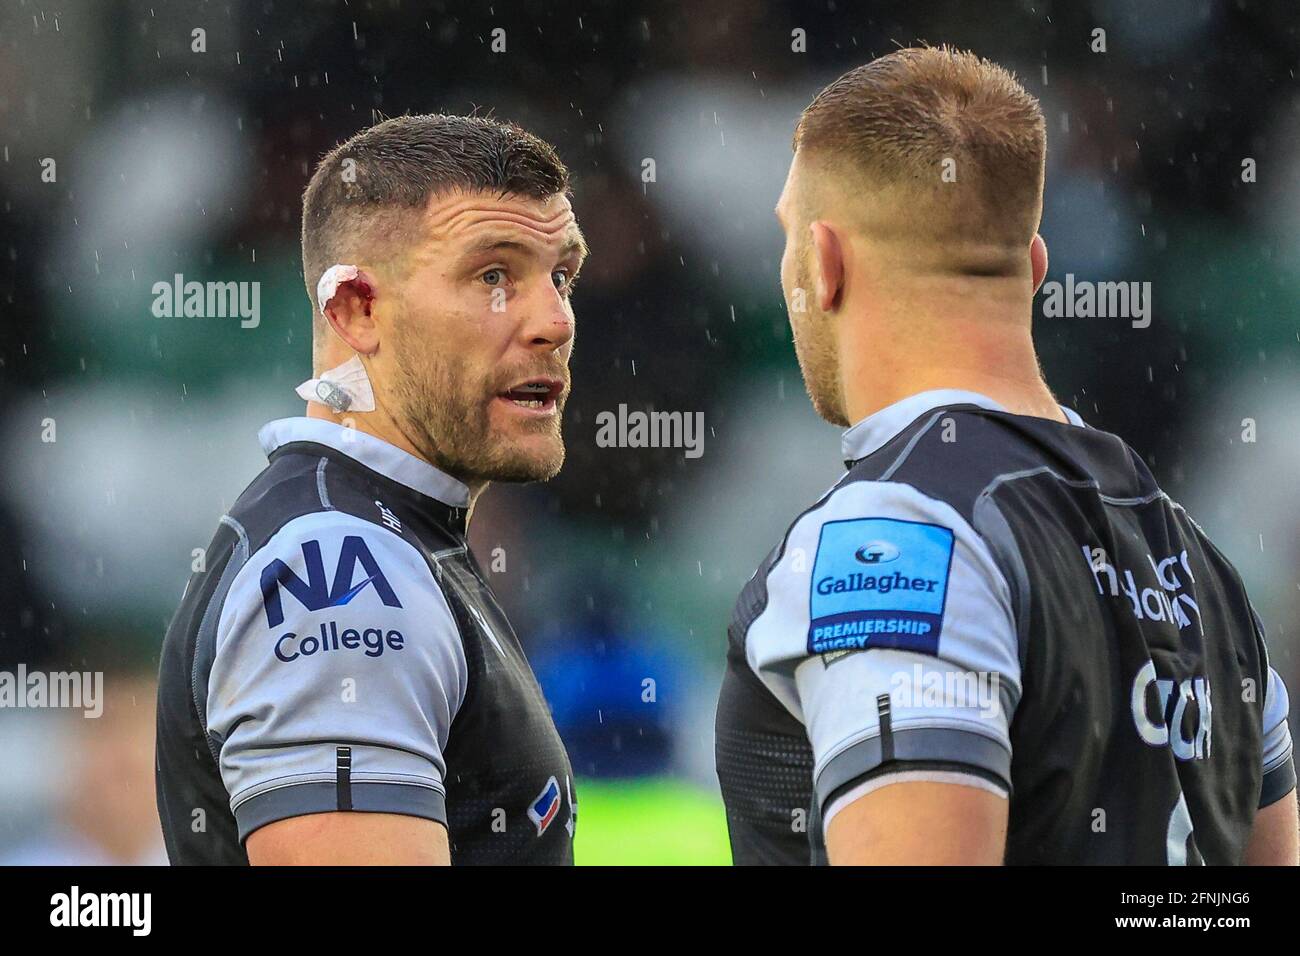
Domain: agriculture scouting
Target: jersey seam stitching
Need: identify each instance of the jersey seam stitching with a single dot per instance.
(1007, 477)
(328, 778)
(322, 490)
(910, 447)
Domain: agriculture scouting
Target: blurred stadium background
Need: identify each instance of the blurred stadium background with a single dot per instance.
(625, 568)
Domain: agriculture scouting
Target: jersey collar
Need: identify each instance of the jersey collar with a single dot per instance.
(375, 453)
(876, 429)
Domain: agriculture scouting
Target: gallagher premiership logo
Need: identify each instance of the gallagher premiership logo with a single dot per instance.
(879, 582)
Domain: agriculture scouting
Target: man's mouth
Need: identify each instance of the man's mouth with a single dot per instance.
(535, 395)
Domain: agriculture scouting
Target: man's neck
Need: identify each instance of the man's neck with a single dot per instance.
(1017, 397)
(382, 426)
(994, 358)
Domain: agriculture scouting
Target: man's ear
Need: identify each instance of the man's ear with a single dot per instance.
(349, 314)
(828, 266)
(1038, 260)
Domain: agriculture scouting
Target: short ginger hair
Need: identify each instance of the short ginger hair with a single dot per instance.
(945, 146)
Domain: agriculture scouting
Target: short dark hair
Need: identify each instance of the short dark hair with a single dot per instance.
(364, 190)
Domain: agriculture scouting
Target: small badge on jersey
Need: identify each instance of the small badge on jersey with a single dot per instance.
(543, 809)
(879, 582)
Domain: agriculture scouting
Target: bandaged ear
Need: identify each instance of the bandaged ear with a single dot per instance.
(329, 283)
(345, 387)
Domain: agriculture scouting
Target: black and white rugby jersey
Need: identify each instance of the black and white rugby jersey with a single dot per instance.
(342, 651)
(1012, 603)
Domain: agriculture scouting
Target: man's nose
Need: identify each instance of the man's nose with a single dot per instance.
(550, 321)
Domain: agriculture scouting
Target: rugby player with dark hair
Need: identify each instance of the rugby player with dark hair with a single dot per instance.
(339, 684)
(995, 639)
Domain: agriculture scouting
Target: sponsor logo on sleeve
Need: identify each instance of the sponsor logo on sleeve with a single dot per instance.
(542, 811)
(879, 582)
(316, 592)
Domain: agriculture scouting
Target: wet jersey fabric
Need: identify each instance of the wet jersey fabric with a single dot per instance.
(341, 650)
(1011, 603)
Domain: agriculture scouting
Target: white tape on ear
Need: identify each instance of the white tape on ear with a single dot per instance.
(329, 283)
(345, 388)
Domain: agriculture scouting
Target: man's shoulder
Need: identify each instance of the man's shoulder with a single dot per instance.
(320, 488)
(960, 454)
(309, 529)
(290, 487)
(303, 571)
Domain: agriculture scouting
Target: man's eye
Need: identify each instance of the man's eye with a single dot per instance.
(563, 279)
(493, 276)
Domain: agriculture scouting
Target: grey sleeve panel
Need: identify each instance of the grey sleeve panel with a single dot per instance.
(205, 640)
(1278, 756)
(931, 745)
(977, 633)
(950, 701)
(300, 799)
(334, 634)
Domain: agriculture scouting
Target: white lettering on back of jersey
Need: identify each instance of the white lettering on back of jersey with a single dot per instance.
(1193, 690)
(1171, 602)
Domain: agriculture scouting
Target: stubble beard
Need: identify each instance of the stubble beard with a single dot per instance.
(446, 415)
(814, 347)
